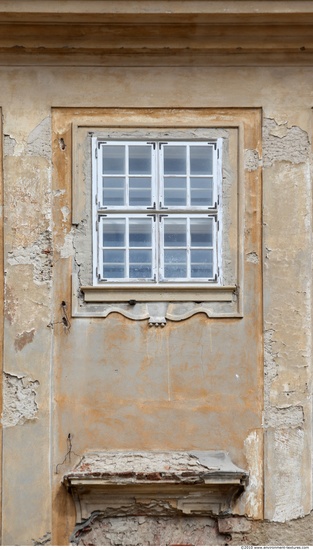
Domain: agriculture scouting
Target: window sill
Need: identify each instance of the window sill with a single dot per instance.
(158, 293)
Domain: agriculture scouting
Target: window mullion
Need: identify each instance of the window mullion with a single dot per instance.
(127, 175)
(215, 245)
(154, 249)
(154, 175)
(99, 270)
(160, 175)
(99, 190)
(188, 248)
(127, 247)
(158, 196)
(160, 232)
(188, 176)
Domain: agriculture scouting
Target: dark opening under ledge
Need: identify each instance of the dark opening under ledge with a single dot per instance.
(159, 293)
(155, 483)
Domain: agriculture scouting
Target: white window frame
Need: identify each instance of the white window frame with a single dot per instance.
(157, 210)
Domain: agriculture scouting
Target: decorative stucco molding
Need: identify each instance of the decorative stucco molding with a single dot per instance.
(155, 483)
(148, 305)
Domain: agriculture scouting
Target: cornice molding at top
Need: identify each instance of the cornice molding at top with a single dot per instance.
(180, 11)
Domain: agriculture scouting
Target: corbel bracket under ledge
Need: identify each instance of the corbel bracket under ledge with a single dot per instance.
(155, 483)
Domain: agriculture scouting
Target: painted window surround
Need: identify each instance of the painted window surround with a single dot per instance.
(239, 130)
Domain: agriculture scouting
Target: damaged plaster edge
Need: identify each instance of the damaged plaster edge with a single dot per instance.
(284, 143)
(9, 145)
(216, 460)
(283, 416)
(83, 525)
(36, 143)
(45, 540)
(252, 160)
(19, 399)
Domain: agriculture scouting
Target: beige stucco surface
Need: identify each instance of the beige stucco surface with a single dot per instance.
(242, 384)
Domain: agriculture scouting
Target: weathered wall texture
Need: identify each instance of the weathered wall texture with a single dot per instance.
(73, 384)
(235, 531)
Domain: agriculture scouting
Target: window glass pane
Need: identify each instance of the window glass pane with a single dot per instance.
(201, 256)
(173, 256)
(114, 191)
(112, 271)
(175, 232)
(140, 256)
(111, 256)
(139, 191)
(114, 264)
(114, 232)
(201, 232)
(175, 191)
(139, 159)
(201, 191)
(113, 159)
(201, 271)
(140, 232)
(174, 159)
(202, 263)
(140, 264)
(175, 271)
(201, 160)
(140, 272)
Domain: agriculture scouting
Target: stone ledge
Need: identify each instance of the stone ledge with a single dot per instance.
(155, 483)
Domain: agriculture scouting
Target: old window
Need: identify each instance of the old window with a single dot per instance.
(157, 211)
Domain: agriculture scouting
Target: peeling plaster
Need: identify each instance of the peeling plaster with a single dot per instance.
(234, 525)
(287, 473)
(277, 416)
(19, 403)
(251, 500)
(292, 416)
(9, 144)
(65, 213)
(252, 160)
(148, 531)
(252, 257)
(270, 364)
(45, 540)
(39, 140)
(39, 255)
(281, 143)
(228, 531)
(67, 249)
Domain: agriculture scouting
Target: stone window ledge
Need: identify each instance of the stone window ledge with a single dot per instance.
(155, 483)
(152, 293)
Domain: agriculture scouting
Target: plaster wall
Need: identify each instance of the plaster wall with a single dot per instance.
(116, 383)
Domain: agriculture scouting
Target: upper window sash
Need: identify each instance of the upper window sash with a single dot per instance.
(174, 175)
